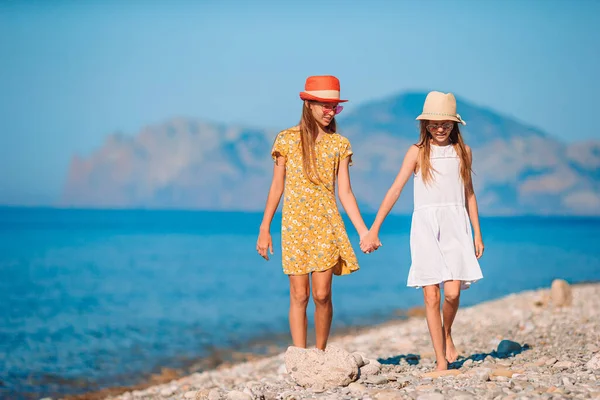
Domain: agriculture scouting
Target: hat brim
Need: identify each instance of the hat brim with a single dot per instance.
(440, 118)
(310, 97)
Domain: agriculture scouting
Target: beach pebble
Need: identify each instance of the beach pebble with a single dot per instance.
(387, 395)
(359, 360)
(594, 362)
(318, 388)
(431, 396)
(376, 379)
(489, 359)
(168, 391)
(372, 368)
(289, 395)
(270, 395)
(214, 394)
(482, 374)
(462, 396)
(551, 361)
(563, 365)
(592, 348)
(357, 387)
(237, 395)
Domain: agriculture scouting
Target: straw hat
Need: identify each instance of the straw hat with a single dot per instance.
(440, 107)
(325, 88)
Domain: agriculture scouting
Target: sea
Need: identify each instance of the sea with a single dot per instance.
(91, 299)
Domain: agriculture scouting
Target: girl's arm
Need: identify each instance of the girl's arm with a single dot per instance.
(277, 184)
(408, 168)
(471, 205)
(347, 197)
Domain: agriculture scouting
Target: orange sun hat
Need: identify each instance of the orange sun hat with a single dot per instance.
(323, 88)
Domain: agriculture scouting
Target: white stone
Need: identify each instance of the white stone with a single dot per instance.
(359, 360)
(372, 368)
(214, 394)
(237, 395)
(563, 365)
(357, 387)
(168, 391)
(594, 362)
(330, 368)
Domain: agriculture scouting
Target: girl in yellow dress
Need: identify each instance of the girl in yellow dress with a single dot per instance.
(309, 159)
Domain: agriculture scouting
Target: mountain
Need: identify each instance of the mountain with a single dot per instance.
(186, 163)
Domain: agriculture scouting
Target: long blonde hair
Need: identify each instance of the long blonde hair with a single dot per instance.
(309, 130)
(456, 140)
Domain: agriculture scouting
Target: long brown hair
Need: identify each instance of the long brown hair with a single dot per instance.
(309, 130)
(424, 164)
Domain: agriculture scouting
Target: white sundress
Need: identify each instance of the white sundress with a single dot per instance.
(441, 242)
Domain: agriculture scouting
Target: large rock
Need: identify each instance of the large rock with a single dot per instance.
(315, 368)
(560, 293)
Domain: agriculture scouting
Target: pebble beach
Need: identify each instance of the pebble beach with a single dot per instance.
(556, 331)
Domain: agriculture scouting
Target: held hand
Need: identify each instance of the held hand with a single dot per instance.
(369, 242)
(263, 244)
(478, 242)
(375, 244)
(366, 243)
(362, 240)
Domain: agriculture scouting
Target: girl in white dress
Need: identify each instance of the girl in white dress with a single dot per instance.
(444, 249)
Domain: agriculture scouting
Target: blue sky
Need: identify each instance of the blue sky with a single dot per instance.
(71, 73)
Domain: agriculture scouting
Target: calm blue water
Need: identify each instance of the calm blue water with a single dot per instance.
(100, 298)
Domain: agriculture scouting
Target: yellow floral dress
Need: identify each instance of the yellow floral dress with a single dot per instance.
(313, 235)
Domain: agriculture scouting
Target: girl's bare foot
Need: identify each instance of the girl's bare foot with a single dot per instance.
(451, 353)
(442, 365)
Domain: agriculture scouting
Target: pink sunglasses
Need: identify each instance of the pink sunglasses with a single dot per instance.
(328, 108)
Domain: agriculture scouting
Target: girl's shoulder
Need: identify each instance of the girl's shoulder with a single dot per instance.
(414, 150)
(289, 133)
(293, 129)
(412, 154)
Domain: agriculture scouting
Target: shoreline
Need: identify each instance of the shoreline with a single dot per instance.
(228, 357)
(223, 360)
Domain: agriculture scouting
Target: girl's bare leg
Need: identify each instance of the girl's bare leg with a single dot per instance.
(431, 295)
(449, 309)
(299, 293)
(321, 283)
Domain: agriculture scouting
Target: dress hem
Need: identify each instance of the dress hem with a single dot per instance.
(339, 261)
(465, 283)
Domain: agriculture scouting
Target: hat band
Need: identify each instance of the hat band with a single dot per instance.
(443, 114)
(324, 94)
